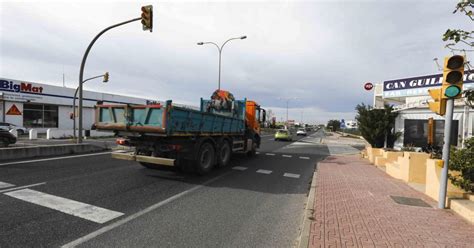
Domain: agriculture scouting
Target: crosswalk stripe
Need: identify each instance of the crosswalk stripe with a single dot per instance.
(240, 168)
(264, 171)
(5, 185)
(291, 175)
(75, 208)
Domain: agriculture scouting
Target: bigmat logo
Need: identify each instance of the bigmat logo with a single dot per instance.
(22, 87)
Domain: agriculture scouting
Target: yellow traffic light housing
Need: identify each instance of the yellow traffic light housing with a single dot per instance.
(106, 77)
(453, 73)
(439, 104)
(147, 17)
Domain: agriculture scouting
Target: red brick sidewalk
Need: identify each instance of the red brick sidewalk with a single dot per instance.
(353, 208)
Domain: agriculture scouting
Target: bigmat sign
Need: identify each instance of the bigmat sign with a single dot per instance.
(418, 86)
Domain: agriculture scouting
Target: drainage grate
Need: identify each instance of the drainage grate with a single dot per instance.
(410, 201)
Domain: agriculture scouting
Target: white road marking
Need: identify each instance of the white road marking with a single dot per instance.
(264, 171)
(55, 158)
(291, 175)
(138, 214)
(79, 209)
(257, 152)
(304, 157)
(287, 156)
(22, 187)
(270, 154)
(240, 168)
(5, 185)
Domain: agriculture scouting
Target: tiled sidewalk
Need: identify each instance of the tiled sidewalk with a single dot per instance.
(353, 208)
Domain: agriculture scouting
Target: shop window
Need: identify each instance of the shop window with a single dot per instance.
(40, 115)
(416, 133)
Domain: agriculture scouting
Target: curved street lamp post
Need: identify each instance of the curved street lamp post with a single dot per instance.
(106, 79)
(220, 53)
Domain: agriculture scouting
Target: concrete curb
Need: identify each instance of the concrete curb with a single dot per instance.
(303, 240)
(50, 150)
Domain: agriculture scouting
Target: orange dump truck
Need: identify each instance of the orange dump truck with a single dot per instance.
(190, 139)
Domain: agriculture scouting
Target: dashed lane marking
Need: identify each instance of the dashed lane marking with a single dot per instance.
(257, 152)
(287, 156)
(22, 187)
(75, 208)
(304, 157)
(291, 175)
(264, 171)
(5, 185)
(240, 168)
(270, 154)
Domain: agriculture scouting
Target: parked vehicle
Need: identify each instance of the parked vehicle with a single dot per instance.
(8, 126)
(6, 138)
(193, 140)
(301, 132)
(283, 134)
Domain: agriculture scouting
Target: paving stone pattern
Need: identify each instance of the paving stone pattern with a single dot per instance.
(353, 208)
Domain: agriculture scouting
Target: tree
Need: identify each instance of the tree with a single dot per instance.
(334, 125)
(376, 125)
(462, 40)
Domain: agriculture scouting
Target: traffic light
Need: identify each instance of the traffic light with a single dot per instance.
(439, 104)
(147, 17)
(106, 77)
(453, 73)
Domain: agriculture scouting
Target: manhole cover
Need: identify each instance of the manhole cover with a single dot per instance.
(410, 201)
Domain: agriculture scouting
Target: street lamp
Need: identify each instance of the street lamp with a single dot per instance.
(106, 79)
(287, 101)
(220, 53)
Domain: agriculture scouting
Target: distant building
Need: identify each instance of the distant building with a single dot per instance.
(410, 98)
(43, 106)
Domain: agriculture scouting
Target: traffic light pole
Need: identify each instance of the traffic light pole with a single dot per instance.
(448, 119)
(81, 71)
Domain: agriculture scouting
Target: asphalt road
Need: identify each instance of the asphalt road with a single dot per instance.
(96, 201)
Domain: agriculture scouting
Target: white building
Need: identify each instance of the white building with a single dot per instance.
(43, 106)
(410, 97)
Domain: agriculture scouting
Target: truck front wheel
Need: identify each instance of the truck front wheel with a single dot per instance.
(205, 158)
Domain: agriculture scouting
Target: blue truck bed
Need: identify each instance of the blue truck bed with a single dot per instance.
(170, 120)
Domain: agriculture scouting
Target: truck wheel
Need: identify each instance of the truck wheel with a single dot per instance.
(224, 153)
(253, 151)
(205, 158)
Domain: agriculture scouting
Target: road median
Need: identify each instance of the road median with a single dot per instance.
(13, 153)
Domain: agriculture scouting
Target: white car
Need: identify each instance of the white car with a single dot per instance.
(8, 126)
(301, 132)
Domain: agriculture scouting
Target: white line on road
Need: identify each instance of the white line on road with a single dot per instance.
(257, 152)
(264, 171)
(304, 157)
(240, 168)
(287, 156)
(291, 175)
(271, 139)
(270, 154)
(22, 187)
(5, 185)
(79, 209)
(138, 214)
(56, 158)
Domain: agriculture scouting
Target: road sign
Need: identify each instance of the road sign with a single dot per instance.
(368, 86)
(13, 110)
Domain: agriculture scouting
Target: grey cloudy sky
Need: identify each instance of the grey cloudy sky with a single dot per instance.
(320, 52)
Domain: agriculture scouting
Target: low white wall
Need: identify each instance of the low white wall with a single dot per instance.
(59, 133)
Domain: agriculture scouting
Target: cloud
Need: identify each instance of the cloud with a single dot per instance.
(319, 52)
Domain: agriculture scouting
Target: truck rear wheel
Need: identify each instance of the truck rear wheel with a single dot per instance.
(224, 153)
(205, 158)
